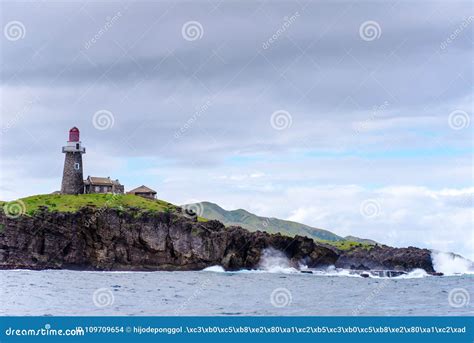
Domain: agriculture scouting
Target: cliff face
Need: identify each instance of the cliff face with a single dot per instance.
(384, 257)
(114, 240)
(110, 239)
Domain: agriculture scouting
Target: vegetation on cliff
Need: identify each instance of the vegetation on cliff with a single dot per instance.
(347, 245)
(72, 203)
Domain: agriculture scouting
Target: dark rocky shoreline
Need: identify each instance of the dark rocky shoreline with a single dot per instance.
(112, 239)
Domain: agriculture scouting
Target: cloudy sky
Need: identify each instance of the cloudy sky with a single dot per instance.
(352, 116)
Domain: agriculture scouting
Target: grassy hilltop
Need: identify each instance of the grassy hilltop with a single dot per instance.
(72, 203)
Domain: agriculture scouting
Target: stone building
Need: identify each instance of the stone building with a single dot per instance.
(95, 184)
(144, 192)
(72, 182)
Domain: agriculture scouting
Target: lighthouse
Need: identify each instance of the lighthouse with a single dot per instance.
(73, 182)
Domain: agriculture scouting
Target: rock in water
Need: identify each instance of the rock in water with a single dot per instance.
(383, 257)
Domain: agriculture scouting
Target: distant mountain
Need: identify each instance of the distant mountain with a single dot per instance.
(253, 222)
(360, 240)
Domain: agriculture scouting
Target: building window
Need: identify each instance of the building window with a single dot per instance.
(77, 146)
(97, 189)
(77, 166)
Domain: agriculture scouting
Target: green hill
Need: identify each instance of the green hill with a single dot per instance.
(253, 222)
(360, 240)
(72, 203)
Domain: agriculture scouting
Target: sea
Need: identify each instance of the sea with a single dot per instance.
(276, 289)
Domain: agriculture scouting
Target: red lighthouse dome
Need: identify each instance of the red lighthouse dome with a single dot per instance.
(74, 134)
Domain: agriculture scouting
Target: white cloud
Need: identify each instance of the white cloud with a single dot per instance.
(408, 215)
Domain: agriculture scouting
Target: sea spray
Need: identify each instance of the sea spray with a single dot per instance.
(333, 271)
(451, 264)
(215, 269)
(272, 261)
(275, 261)
(414, 274)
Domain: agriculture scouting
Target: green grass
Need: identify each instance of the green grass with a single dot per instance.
(348, 245)
(72, 203)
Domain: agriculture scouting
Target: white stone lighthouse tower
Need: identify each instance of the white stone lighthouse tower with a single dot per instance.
(73, 181)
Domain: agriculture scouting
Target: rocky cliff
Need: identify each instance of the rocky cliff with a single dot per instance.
(114, 239)
(384, 257)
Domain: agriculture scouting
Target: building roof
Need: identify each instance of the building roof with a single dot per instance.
(142, 189)
(101, 181)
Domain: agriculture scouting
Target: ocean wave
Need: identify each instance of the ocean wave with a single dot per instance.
(275, 262)
(451, 264)
(330, 271)
(414, 274)
(333, 271)
(214, 269)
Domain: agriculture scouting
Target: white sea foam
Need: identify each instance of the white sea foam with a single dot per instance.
(414, 274)
(333, 271)
(274, 261)
(451, 264)
(215, 269)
